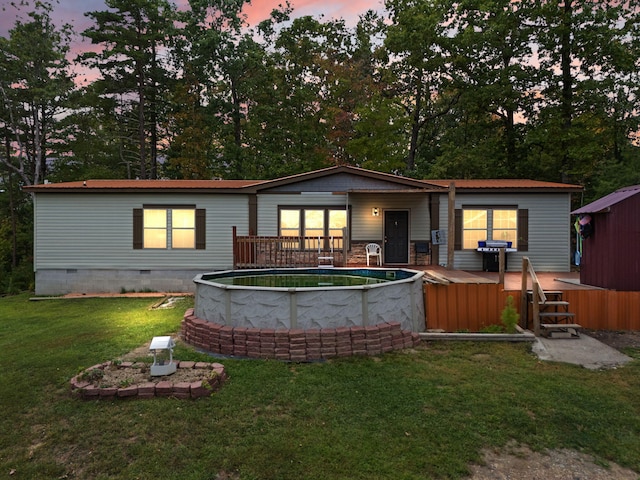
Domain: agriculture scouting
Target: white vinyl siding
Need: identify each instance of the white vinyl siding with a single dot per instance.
(549, 230)
(364, 226)
(97, 232)
(369, 228)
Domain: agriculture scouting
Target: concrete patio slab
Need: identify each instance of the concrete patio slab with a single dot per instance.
(585, 351)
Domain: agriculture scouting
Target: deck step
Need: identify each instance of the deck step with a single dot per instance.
(567, 330)
(554, 303)
(557, 314)
(552, 293)
(559, 326)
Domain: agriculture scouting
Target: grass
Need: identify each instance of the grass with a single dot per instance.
(417, 414)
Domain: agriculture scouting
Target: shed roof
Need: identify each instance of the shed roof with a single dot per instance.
(603, 204)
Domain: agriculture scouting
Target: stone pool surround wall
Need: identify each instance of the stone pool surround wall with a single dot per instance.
(321, 307)
(295, 345)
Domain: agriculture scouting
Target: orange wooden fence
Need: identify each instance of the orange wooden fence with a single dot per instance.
(470, 307)
(605, 309)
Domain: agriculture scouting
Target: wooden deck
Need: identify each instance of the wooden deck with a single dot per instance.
(512, 280)
(473, 300)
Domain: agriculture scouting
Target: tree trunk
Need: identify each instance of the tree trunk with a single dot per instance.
(154, 113)
(14, 222)
(415, 124)
(141, 129)
(237, 129)
(567, 90)
(510, 133)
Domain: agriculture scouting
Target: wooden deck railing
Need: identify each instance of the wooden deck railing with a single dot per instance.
(537, 295)
(257, 251)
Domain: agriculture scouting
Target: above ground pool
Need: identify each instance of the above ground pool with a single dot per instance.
(311, 298)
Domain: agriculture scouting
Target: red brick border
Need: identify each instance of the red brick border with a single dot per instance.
(295, 345)
(213, 375)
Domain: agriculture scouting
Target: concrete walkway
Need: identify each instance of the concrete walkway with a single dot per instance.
(585, 351)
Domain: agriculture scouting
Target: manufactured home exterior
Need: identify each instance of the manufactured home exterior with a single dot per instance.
(96, 235)
(541, 212)
(84, 242)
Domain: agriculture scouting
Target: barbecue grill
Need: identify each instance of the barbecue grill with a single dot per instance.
(490, 250)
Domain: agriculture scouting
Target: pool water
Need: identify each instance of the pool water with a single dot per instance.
(302, 280)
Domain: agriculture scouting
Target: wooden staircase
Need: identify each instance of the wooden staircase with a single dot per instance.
(551, 315)
(556, 321)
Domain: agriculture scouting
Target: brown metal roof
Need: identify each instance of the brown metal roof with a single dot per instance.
(502, 185)
(603, 204)
(147, 185)
(506, 184)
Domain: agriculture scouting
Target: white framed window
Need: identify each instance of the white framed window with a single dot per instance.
(499, 223)
(168, 227)
(312, 222)
(183, 228)
(155, 228)
(474, 227)
(505, 226)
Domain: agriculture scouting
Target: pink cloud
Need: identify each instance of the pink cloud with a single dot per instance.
(73, 12)
(349, 10)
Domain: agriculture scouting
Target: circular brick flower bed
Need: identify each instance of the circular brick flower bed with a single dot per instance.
(111, 380)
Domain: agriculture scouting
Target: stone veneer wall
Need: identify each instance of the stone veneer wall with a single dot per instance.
(296, 345)
(358, 256)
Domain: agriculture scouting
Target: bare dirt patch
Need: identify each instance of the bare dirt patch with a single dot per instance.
(619, 340)
(516, 462)
(521, 463)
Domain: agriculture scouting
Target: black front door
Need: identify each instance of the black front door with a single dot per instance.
(396, 236)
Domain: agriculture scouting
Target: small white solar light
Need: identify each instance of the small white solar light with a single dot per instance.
(161, 347)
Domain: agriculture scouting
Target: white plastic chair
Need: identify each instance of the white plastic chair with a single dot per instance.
(374, 250)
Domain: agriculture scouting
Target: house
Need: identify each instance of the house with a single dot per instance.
(114, 235)
(611, 241)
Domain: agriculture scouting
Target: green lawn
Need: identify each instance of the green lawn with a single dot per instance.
(418, 414)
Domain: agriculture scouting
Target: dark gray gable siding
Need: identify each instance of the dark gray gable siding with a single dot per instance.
(339, 182)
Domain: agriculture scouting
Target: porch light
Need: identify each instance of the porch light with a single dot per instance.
(375, 212)
(161, 348)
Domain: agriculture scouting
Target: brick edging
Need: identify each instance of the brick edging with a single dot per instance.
(214, 376)
(295, 345)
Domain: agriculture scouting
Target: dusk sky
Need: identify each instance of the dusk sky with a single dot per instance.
(72, 11)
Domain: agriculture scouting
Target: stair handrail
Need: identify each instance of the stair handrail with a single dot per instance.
(537, 295)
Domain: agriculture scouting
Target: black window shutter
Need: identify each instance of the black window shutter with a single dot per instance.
(137, 228)
(457, 244)
(523, 230)
(201, 236)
